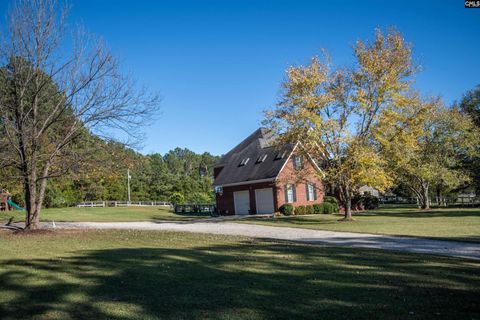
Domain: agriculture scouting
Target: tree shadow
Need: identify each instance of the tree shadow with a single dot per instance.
(417, 213)
(251, 279)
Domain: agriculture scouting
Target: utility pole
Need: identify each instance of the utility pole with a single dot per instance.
(129, 177)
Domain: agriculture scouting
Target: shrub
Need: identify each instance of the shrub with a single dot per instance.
(309, 209)
(286, 209)
(318, 208)
(330, 199)
(328, 208)
(365, 202)
(370, 202)
(177, 198)
(333, 201)
(300, 210)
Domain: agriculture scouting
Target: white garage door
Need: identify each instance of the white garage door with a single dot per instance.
(264, 200)
(242, 202)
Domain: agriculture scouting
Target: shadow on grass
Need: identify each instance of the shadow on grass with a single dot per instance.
(416, 213)
(256, 280)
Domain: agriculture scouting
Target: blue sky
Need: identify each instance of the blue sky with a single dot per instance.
(218, 64)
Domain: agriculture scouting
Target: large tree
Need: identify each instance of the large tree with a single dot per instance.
(470, 105)
(424, 143)
(58, 84)
(333, 113)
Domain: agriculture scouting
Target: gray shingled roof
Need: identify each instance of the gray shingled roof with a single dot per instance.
(258, 144)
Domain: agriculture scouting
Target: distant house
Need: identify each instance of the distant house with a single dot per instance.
(369, 190)
(258, 177)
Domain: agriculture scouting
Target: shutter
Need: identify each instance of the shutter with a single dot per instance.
(286, 193)
(306, 191)
(314, 191)
(294, 193)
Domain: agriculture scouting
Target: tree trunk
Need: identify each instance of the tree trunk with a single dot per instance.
(425, 203)
(347, 203)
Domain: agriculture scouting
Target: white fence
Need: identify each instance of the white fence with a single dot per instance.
(104, 204)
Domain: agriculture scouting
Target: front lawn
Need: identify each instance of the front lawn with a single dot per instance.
(107, 214)
(153, 275)
(451, 224)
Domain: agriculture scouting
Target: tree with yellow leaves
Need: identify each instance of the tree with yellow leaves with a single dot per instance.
(424, 143)
(333, 113)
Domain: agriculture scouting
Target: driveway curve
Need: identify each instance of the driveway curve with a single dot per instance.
(331, 238)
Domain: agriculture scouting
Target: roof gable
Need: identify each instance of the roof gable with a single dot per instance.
(264, 160)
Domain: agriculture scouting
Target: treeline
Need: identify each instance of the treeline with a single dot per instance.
(180, 175)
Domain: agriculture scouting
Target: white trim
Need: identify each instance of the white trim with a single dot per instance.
(309, 157)
(289, 156)
(245, 182)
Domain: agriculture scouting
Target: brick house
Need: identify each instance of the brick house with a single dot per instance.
(258, 177)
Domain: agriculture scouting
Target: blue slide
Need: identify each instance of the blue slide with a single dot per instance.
(13, 204)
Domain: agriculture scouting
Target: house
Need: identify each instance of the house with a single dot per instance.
(258, 177)
(369, 190)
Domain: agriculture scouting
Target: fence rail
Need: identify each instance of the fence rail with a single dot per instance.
(104, 204)
(457, 201)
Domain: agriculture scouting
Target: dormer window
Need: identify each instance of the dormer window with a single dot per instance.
(244, 162)
(281, 155)
(262, 158)
(298, 162)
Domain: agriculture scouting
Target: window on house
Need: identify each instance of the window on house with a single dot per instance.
(281, 155)
(311, 192)
(262, 158)
(298, 162)
(244, 162)
(290, 193)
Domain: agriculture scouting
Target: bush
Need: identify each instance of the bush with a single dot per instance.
(333, 201)
(318, 208)
(286, 209)
(370, 202)
(330, 199)
(300, 210)
(365, 202)
(177, 198)
(309, 209)
(328, 208)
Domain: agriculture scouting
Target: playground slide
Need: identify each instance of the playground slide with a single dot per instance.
(13, 204)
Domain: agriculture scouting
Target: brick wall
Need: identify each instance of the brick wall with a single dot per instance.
(299, 178)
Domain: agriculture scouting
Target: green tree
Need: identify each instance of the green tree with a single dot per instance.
(423, 142)
(470, 104)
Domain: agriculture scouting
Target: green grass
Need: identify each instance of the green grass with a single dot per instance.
(107, 214)
(153, 275)
(452, 224)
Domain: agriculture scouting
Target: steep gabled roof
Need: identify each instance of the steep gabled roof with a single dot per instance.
(260, 145)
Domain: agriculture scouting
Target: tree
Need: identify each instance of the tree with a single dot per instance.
(470, 105)
(333, 113)
(423, 142)
(56, 88)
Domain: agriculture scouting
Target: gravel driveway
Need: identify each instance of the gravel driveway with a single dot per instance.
(348, 239)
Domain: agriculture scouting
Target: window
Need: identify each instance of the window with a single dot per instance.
(311, 192)
(244, 162)
(298, 162)
(281, 155)
(290, 193)
(261, 158)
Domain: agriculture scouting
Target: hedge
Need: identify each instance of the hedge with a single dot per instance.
(286, 209)
(300, 210)
(318, 208)
(309, 209)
